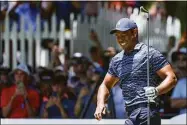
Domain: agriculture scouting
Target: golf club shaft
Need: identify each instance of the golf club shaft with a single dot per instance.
(142, 9)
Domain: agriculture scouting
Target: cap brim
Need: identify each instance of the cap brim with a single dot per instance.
(115, 30)
(21, 70)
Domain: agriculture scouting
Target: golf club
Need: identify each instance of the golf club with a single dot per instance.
(142, 9)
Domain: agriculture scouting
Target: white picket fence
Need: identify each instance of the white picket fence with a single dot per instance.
(79, 35)
(41, 57)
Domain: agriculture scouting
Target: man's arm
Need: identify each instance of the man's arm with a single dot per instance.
(31, 111)
(31, 104)
(104, 89)
(7, 109)
(179, 103)
(169, 79)
(103, 93)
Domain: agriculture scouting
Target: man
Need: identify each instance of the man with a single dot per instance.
(179, 97)
(20, 101)
(129, 67)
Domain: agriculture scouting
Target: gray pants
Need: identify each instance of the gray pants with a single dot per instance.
(139, 116)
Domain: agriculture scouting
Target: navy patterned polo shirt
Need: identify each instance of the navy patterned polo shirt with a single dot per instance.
(131, 68)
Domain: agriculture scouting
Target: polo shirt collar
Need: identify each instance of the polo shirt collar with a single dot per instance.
(136, 48)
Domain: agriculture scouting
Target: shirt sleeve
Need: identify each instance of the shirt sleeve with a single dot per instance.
(158, 60)
(112, 70)
(4, 98)
(177, 91)
(35, 100)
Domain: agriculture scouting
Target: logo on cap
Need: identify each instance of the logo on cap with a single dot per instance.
(118, 24)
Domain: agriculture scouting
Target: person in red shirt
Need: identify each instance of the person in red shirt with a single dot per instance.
(20, 101)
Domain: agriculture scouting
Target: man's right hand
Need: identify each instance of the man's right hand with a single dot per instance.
(100, 111)
(50, 102)
(19, 92)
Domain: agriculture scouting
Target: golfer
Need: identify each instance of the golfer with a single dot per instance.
(129, 68)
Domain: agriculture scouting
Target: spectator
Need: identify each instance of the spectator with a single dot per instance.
(178, 62)
(3, 9)
(20, 101)
(61, 102)
(179, 97)
(94, 75)
(4, 79)
(96, 51)
(108, 54)
(27, 10)
(117, 5)
(158, 8)
(90, 9)
(47, 9)
(77, 77)
(46, 77)
(55, 50)
(63, 9)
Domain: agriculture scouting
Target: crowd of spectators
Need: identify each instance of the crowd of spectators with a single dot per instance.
(30, 9)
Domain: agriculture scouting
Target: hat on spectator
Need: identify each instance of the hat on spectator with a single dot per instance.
(79, 58)
(77, 55)
(23, 67)
(59, 68)
(46, 76)
(124, 24)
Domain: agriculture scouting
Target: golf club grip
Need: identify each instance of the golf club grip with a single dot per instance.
(142, 9)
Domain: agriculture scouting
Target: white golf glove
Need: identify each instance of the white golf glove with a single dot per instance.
(151, 93)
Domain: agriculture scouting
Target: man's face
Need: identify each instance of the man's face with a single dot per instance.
(20, 76)
(125, 39)
(3, 77)
(55, 87)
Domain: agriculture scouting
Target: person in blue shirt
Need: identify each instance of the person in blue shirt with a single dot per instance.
(179, 97)
(61, 103)
(129, 68)
(27, 10)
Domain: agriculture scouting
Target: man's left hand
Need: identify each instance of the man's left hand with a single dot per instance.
(151, 93)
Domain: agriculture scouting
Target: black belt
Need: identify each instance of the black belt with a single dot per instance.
(129, 109)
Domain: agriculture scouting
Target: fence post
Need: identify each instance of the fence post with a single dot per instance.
(22, 40)
(53, 27)
(74, 33)
(45, 33)
(14, 45)
(38, 41)
(7, 42)
(62, 40)
(45, 53)
(30, 44)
